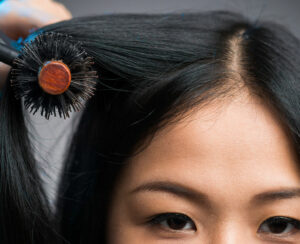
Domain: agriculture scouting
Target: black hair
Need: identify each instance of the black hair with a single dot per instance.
(153, 69)
(25, 215)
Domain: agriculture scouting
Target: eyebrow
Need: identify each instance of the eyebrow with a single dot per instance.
(281, 194)
(203, 199)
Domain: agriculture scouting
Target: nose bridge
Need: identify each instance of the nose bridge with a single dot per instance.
(232, 231)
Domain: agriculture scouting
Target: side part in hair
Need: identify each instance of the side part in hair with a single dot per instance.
(154, 70)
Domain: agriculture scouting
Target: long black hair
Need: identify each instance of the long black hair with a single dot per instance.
(154, 69)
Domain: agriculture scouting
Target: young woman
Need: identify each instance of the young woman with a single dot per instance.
(192, 135)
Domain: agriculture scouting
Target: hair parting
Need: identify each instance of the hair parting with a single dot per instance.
(154, 69)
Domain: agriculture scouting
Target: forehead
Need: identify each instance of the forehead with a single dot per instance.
(235, 142)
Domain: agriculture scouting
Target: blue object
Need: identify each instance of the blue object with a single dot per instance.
(18, 44)
(32, 36)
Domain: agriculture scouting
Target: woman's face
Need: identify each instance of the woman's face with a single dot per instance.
(227, 175)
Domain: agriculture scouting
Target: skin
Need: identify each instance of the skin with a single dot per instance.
(230, 151)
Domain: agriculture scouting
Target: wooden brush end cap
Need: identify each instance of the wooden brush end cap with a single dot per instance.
(54, 77)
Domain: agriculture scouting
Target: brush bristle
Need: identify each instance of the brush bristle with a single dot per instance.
(51, 46)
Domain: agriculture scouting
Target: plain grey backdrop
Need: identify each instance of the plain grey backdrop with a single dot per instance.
(283, 11)
(51, 137)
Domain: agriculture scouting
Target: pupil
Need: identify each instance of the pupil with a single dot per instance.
(278, 227)
(176, 224)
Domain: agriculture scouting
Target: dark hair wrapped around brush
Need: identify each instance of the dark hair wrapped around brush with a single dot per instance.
(53, 74)
(154, 68)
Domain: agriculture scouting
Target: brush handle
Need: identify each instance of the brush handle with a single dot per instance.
(7, 54)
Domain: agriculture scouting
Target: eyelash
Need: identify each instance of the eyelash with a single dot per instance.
(282, 220)
(157, 220)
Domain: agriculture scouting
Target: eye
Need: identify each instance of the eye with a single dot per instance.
(279, 226)
(173, 222)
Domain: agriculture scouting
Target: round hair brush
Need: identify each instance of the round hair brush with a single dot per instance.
(52, 73)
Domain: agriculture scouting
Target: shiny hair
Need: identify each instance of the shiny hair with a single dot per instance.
(154, 69)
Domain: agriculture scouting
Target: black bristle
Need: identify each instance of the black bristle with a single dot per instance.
(50, 46)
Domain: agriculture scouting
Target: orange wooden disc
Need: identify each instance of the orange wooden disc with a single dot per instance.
(54, 77)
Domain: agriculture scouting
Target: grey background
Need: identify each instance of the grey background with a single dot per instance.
(51, 137)
(283, 11)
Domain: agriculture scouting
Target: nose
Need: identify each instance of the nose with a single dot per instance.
(233, 233)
